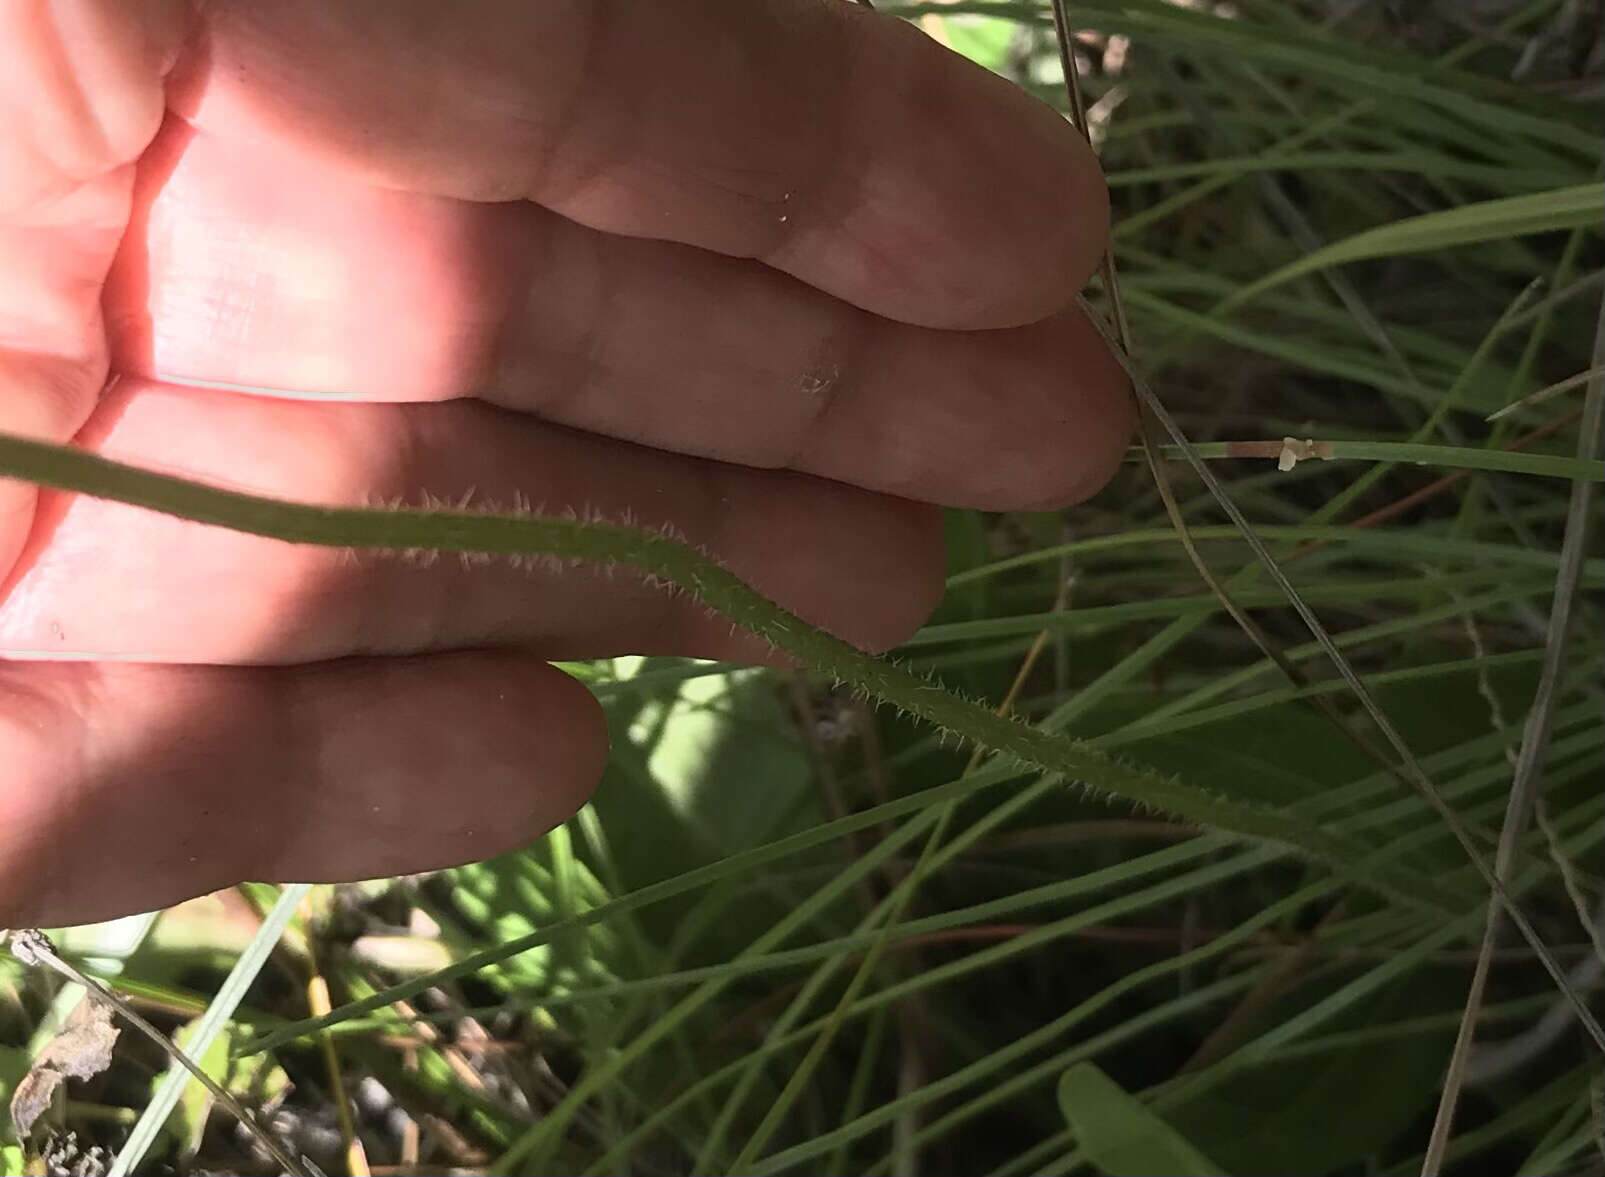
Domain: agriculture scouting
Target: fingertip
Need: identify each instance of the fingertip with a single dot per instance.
(131, 787)
(460, 756)
(916, 536)
(968, 203)
(1085, 447)
(890, 573)
(584, 743)
(878, 574)
(1035, 242)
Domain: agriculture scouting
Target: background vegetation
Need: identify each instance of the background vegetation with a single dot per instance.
(795, 934)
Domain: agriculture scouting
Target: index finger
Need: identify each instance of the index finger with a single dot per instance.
(839, 145)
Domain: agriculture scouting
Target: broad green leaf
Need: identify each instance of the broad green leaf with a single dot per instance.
(701, 769)
(727, 761)
(1121, 1135)
(984, 40)
(1488, 220)
(187, 1124)
(1278, 1118)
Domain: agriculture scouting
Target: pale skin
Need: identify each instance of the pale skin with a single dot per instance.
(782, 274)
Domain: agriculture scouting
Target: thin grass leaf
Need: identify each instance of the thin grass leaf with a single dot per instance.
(1408, 761)
(1525, 782)
(1490, 220)
(1548, 392)
(218, 1012)
(1400, 452)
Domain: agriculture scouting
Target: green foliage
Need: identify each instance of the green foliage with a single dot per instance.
(14, 1061)
(1491, 220)
(1120, 1135)
(994, 968)
(1281, 1117)
(252, 1081)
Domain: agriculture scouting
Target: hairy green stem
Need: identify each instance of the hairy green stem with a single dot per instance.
(669, 560)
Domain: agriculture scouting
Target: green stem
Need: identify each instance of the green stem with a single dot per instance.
(1406, 452)
(663, 558)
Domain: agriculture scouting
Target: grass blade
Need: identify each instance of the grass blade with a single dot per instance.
(1489, 220)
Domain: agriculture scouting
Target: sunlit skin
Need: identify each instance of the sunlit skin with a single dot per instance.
(781, 273)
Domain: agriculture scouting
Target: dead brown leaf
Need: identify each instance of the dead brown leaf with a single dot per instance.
(81, 1051)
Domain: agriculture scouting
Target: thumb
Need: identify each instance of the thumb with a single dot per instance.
(80, 98)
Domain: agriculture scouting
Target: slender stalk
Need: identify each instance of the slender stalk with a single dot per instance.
(666, 560)
(1527, 780)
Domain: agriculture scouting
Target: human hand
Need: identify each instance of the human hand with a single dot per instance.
(779, 273)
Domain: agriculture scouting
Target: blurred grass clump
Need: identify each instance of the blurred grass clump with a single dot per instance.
(794, 934)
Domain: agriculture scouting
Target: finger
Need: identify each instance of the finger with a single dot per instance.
(80, 96)
(100, 579)
(839, 145)
(396, 296)
(128, 788)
